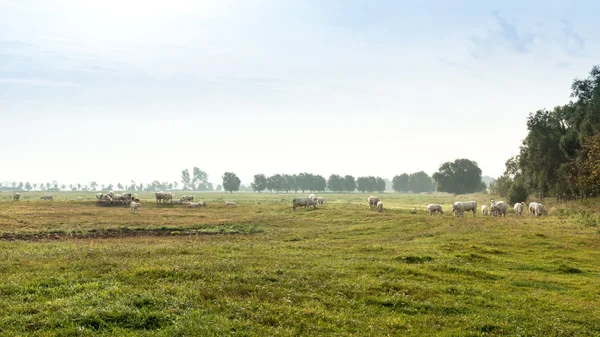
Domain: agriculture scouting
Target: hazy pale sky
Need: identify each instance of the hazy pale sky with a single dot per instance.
(118, 90)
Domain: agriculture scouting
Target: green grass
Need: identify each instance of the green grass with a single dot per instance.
(71, 268)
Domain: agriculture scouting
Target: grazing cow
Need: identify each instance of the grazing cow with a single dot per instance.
(229, 203)
(47, 197)
(434, 208)
(187, 198)
(537, 209)
(134, 206)
(16, 196)
(79, 198)
(373, 201)
(194, 204)
(303, 202)
(202, 203)
(499, 208)
(320, 200)
(379, 207)
(484, 210)
(532, 208)
(460, 207)
(518, 208)
(163, 197)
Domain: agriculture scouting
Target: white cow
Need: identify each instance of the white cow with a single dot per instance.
(229, 203)
(373, 201)
(434, 208)
(460, 207)
(79, 198)
(499, 208)
(134, 206)
(193, 204)
(379, 207)
(537, 209)
(519, 208)
(311, 196)
(484, 210)
(321, 200)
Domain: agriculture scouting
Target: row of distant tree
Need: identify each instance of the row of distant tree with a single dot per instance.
(460, 176)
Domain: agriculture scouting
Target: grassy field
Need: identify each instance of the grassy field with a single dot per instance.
(72, 268)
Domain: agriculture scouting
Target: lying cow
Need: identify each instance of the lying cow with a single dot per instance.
(379, 207)
(434, 208)
(194, 204)
(303, 202)
(47, 197)
(229, 203)
(460, 207)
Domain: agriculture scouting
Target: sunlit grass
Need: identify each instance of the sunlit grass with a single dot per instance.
(258, 268)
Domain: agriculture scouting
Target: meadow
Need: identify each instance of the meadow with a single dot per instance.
(72, 268)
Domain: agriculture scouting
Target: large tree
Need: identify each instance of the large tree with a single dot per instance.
(459, 177)
(260, 183)
(231, 182)
(400, 183)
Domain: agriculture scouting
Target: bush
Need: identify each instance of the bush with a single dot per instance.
(517, 193)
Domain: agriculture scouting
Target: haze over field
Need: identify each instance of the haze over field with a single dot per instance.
(119, 90)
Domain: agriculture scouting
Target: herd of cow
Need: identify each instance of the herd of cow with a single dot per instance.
(497, 208)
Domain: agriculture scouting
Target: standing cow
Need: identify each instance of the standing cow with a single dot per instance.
(303, 202)
(460, 207)
(16, 196)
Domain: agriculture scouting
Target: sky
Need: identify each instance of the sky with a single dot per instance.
(114, 91)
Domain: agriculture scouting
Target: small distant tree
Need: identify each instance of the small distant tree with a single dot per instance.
(200, 179)
(79, 186)
(120, 187)
(379, 184)
(219, 188)
(34, 186)
(231, 182)
(349, 183)
(28, 186)
(503, 185)
(335, 183)
(14, 184)
(20, 186)
(185, 179)
(260, 183)
(419, 182)
(93, 185)
(400, 183)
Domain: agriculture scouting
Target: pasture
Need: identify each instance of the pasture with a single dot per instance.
(72, 268)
